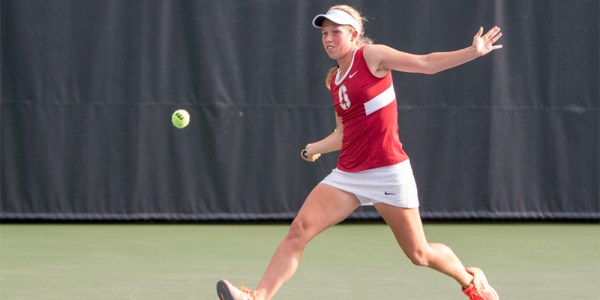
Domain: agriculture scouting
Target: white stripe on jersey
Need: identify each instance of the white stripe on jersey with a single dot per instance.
(380, 101)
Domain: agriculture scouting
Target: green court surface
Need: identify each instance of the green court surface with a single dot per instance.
(349, 261)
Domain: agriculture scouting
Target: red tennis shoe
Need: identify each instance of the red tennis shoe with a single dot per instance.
(479, 289)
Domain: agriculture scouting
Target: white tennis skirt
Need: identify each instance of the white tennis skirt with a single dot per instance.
(394, 185)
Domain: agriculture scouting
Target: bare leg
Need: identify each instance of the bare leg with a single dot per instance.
(324, 207)
(408, 230)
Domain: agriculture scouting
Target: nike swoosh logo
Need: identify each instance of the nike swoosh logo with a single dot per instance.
(387, 194)
(352, 75)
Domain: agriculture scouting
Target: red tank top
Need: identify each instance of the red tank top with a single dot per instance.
(367, 107)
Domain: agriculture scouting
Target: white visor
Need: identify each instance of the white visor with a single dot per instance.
(336, 16)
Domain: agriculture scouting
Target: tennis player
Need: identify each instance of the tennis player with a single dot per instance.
(372, 166)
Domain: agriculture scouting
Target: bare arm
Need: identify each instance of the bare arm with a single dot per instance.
(332, 142)
(381, 59)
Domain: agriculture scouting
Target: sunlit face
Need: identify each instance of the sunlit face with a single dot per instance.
(338, 40)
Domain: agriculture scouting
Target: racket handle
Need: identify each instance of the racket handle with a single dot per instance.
(304, 152)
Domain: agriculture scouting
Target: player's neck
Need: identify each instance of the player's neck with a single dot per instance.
(345, 61)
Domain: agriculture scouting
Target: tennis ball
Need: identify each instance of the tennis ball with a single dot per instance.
(180, 118)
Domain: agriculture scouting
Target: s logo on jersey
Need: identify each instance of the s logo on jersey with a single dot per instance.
(343, 96)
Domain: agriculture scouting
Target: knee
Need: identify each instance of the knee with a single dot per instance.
(419, 257)
(298, 234)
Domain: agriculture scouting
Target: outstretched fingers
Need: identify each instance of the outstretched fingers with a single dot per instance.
(484, 43)
(493, 35)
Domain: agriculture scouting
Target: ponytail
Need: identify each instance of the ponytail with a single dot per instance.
(330, 75)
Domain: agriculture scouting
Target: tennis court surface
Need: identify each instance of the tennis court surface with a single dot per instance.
(349, 261)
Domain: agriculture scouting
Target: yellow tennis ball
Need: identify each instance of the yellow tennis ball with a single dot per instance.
(180, 118)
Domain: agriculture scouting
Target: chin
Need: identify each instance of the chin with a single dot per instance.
(332, 55)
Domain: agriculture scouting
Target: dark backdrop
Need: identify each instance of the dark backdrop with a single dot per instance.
(88, 88)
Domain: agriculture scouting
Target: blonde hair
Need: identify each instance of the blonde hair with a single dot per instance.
(361, 41)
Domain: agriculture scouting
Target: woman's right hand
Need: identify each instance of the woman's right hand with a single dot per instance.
(308, 154)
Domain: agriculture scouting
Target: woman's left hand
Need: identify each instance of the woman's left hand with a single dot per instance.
(484, 44)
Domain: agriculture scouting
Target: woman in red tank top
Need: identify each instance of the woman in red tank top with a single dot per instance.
(367, 135)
